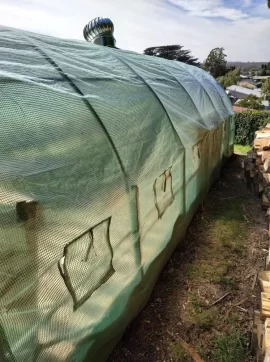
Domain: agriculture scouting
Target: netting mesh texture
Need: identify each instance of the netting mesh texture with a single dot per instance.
(105, 155)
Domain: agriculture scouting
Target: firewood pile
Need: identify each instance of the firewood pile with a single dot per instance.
(256, 174)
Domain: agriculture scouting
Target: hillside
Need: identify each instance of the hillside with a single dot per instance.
(246, 66)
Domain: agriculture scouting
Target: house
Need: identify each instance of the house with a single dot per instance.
(242, 76)
(237, 109)
(261, 77)
(236, 92)
(266, 105)
(247, 83)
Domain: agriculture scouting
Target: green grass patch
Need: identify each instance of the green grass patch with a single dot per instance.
(179, 354)
(228, 282)
(206, 319)
(229, 348)
(226, 240)
(210, 269)
(232, 321)
(241, 149)
(195, 303)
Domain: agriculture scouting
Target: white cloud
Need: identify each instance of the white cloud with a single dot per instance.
(210, 8)
(144, 23)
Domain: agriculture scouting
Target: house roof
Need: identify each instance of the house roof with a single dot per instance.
(261, 77)
(245, 91)
(244, 76)
(237, 109)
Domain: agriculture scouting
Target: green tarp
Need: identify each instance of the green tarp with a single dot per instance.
(104, 156)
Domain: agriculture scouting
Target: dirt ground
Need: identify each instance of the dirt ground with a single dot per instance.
(224, 249)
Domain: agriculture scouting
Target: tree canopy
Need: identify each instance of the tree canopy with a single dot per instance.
(230, 78)
(265, 68)
(216, 62)
(173, 52)
(266, 88)
(251, 102)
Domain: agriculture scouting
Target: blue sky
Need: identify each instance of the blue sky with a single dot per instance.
(242, 27)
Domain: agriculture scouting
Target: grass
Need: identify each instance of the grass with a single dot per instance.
(241, 149)
(179, 353)
(225, 237)
(211, 269)
(229, 348)
(206, 319)
(228, 282)
(224, 243)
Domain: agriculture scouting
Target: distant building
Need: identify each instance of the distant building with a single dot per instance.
(238, 92)
(242, 76)
(238, 109)
(247, 83)
(266, 104)
(261, 77)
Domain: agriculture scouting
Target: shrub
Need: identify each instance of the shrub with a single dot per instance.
(251, 102)
(247, 123)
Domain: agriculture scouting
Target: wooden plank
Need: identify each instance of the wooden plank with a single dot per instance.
(267, 355)
(267, 334)
(266, 164)
(259, 143)
(267, 263)
(265, 305)
(257, 318)
(265, 154)
(263, 133)
(260, 335)
(259, 161)
(265, 201)
(264, 179)
(264, 279)
(267, 192)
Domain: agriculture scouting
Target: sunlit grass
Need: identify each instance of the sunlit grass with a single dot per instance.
(241, 149)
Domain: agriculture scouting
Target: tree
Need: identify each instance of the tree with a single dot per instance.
(265, 69)
(172, 52)
(230, 78)
(266, 88)
(251, 102)
(216, 62)
(268, 3)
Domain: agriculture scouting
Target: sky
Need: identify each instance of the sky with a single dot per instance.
(242, 27)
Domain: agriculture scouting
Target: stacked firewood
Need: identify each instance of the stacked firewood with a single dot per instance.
(256, 173)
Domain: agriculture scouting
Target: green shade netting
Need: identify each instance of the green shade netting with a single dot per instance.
(104, 156)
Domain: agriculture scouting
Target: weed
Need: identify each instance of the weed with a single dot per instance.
(206, 319)
(229, 348)
(179, 353)
(232, 320)
(242, 150)
(210, 269)
(234, 247)
(195, 303)
(228, 282)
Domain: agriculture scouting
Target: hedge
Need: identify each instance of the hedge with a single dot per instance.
(246, 123)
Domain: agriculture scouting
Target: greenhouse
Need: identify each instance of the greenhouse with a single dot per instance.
(105, 156)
